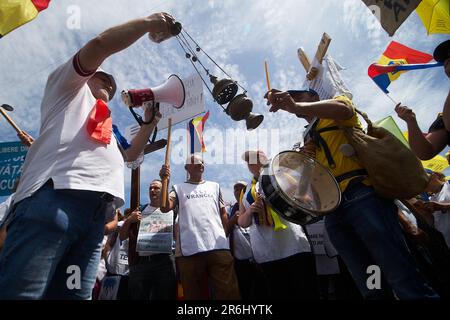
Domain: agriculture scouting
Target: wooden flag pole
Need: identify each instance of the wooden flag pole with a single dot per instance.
(165, 181)
(8, 118)
(267, 75)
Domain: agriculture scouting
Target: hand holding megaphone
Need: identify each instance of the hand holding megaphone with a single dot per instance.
(152, 112)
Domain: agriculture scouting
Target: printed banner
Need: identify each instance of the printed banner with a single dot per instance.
(12, 156)
(155, 231)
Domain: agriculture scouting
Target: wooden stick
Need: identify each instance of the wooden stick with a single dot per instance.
(134, 205)
(165, 182)
(305, 61)
(267, 75)
(387, 95)
(8, 118)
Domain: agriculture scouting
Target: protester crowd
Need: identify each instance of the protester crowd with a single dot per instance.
(66, 211)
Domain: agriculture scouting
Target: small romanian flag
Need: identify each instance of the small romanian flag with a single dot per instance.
(195, 134)
(14, 13)
(396, 60)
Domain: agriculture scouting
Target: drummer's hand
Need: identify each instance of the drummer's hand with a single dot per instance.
(280, 100)
(164, 172)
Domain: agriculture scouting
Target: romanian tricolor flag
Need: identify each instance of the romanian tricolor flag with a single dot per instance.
(14, 13)
(396, 60)
(195, 134)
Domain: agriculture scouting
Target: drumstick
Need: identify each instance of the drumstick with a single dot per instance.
(8, 118)
(165, 181)
(267, 75)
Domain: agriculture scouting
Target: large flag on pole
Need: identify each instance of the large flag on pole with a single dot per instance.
(397, 59)
(195, 134)
(14, 13)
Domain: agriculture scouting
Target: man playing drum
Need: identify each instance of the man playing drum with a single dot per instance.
(364, 228)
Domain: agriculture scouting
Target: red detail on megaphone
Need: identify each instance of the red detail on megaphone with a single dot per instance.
(139, 96)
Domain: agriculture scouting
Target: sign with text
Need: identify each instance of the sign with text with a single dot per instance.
(155, 231)
(12, 156)
(194, 104)
(328, 83)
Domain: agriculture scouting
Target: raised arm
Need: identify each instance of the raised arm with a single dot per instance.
(325, 109)
(134, 217)
(171, 198)
(424, 147)
(122, 36)
(141, 138)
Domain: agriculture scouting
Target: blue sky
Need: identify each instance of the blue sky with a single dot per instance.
(239, 35)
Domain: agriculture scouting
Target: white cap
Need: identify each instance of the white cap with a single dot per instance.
(194, 158)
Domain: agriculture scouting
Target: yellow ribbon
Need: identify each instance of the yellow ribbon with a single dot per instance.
(271, 218)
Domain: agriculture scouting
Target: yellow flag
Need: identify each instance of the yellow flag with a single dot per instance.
(437, 164)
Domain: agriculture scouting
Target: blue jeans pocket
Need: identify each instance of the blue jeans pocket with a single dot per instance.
(356, 193)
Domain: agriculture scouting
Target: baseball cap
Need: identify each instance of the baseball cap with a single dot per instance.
(251, 156)
(197, 159)
(240, 183)
(111, 79)
(442, 51)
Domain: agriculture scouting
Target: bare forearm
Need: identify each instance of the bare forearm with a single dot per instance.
(124, 231)
(421, 147)
(245, 218)
(139, 141)
(326, 109)
(111, 41)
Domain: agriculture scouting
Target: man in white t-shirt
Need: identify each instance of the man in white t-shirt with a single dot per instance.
(73, 173)
(202, 247)
(153, 275)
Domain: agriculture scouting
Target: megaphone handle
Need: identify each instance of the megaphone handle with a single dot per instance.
(8, 118)
(165, 182)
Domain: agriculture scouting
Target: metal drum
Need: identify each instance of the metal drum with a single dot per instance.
(298, 188)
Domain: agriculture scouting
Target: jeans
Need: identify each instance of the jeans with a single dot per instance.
(365, 231)
(53, 245)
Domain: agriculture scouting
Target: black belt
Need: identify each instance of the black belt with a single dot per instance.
(153, 257)
(351, 174)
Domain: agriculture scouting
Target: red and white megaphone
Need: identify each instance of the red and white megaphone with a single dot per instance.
(171, 92)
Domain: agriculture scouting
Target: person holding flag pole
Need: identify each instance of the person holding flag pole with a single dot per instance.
(429, 145)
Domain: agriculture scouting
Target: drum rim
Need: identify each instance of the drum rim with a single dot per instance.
(283, 195)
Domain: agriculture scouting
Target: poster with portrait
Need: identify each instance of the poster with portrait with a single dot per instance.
(155, 232)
